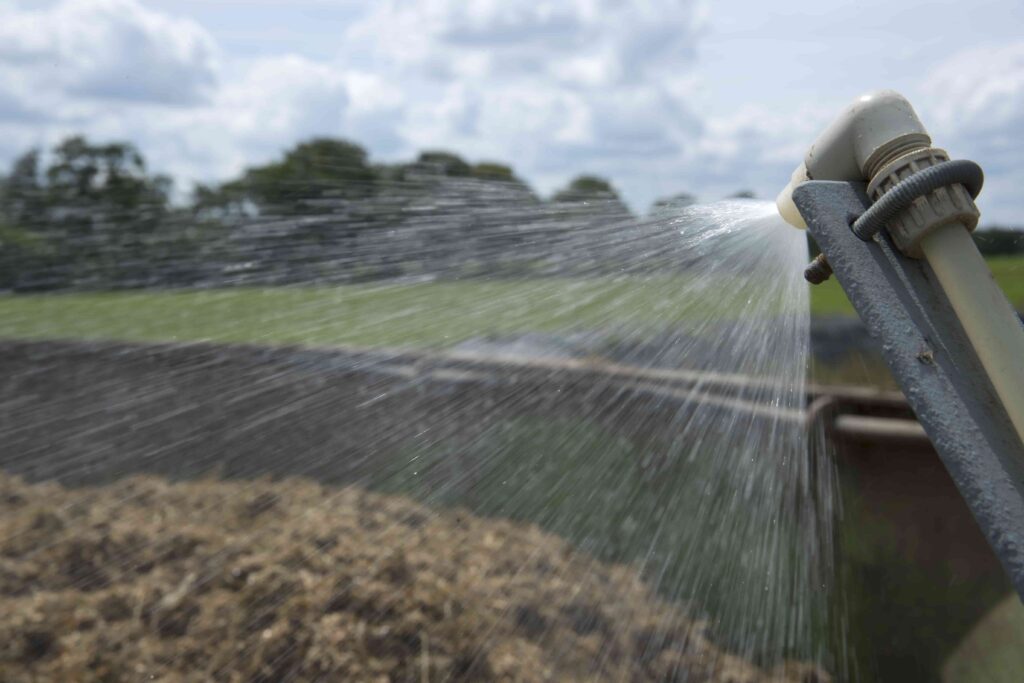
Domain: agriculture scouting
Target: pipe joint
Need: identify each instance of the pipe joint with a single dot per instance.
(913, 202)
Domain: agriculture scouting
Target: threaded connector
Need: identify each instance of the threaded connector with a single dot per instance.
(949, 203)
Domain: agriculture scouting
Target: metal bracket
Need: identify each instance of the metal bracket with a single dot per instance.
(904, 308)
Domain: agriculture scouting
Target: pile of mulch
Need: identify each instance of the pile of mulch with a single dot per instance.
(293, 581)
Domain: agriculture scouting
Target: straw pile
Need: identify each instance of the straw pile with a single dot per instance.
(293, 581)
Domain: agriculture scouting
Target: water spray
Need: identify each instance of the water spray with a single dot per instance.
(893, 217)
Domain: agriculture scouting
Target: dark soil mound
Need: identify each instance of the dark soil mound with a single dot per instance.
(293, 581)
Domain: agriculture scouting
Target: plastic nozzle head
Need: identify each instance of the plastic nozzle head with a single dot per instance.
(784, 202)
(875, 129)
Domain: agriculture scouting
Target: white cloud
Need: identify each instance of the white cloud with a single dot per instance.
(113, 69)
(16, 105)
(979, 86)
(607, 42)
(554, 88)
(974, 105)
(107, 50)
(268, 105)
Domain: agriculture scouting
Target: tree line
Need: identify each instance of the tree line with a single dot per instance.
(95, 216)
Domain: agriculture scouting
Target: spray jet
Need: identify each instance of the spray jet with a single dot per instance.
(893, 217)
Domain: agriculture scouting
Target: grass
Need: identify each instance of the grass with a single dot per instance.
(429, 314)
(829, 299)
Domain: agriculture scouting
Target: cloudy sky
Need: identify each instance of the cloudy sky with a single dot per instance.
(661, 96)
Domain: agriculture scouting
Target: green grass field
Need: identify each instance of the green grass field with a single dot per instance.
(430, 314)
(828, 298)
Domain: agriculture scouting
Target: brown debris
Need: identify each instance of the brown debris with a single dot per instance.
(271, 581)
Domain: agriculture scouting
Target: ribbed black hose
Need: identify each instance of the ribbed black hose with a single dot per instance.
(903, 194)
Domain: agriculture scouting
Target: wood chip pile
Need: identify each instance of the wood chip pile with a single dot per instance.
(293, 581)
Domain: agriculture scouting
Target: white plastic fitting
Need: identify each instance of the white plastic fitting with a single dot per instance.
(877, 128)
(877, 139)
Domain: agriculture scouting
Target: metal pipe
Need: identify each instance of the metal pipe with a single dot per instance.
(880, 139)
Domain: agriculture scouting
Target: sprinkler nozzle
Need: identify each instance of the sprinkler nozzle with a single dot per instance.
(873, 131)
(925, 203)
(784, 202)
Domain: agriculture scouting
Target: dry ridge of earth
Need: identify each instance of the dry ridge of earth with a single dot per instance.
(293, 581)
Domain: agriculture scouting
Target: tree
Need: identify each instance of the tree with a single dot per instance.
(590, 203)
(21, 203)
(91, 215)
(113, 175)
(104, 209)
(673, 204)
(318, 169)
(21, 252)
(449, 164)
(489, 170)
(434, 165)
(584, 188)
(21, 193)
